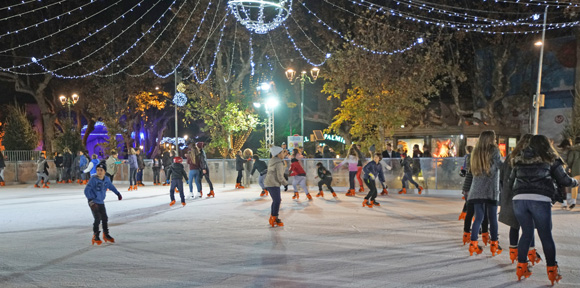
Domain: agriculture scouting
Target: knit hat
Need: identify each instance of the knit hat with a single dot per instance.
(103, 165)
(275, 150)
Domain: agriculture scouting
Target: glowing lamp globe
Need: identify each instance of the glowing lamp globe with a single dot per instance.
(261, 16)
(180, 99)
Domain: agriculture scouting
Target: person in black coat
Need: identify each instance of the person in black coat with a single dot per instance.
(176, 173)
(167, 156)
(59, 163)
(240, 167)
(325, 179)
(262, 168)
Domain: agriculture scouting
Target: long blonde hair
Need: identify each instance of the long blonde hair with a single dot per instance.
(132, 151)
(482, 153)
(193, 154)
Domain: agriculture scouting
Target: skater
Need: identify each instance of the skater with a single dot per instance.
(83, 164)
(239, 167)
(463, 173)
(359, 166)
(371, 171)
(406, 162)
(274, 179)
(141, 167)
(468, 208)
(484, 191)
(247, 154)
(299, 174)
(2, 167)
(204, 168)
(262, 168)
(67, 162)
(133, 166)
(352, 161)
(112, 165)
(176, 173)
(156, 170)
(506, 213)
(59, 163)
(325, 179)
(573, 161)
(92, 166)
(96, 191)
(166, 161)
(41, 166)
(533, 176)
(194, 174)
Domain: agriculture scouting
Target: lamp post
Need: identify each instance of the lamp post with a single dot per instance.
(69, 101)
(269, 105)
(303, 78)
(538, 97)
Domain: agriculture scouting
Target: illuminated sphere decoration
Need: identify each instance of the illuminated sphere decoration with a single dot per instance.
(261, 16)
(180, 99)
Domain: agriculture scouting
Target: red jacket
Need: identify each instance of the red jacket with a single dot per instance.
(296, 169)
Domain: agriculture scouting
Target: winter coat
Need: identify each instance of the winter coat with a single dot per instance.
(196, 165)
(83, 162)
(40, 165)
(468, 175)
(323, 173)
(260, 166)
(573, 160)
(68, 160)
(275, 175)
(352, 162)
(531, 175)
(506, 213)
(240, 163)
(76, 162)
(133, 162)
(417, 162)
(92, 167)
(140, 162)
(96, 189)
(167, 160)
(177, 171)
(203, 160)
(485, 188)
(406, 163)
(296, 169)
(376, 169)
(59, 161)
(112, 163)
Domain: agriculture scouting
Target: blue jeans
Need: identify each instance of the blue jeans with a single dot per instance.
(132, 174)
(408, 177)
(480, 210)
(194, 175)
(140, 175)
(535, 214)
(276, 199)
(515, 235)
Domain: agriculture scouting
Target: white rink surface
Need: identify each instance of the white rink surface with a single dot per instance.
(411, 241)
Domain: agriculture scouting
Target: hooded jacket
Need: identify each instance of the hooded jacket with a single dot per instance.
(532, 175)
(323, 173)
(112, 163)
(96, 189)
(275, 176)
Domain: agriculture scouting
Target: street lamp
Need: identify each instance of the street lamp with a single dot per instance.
(69, 101)
(303, 78)
(538, 97)
(269, 105)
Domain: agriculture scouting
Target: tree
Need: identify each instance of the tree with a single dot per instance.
(18, 133)
(69, 137)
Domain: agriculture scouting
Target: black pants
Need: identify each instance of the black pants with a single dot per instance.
(100, 215)
(110, 177)
(469, 216)
(326, 181)
(156, 172)
(166, 170)
(177, 183)
(372, 189)
(206, 176)
(239, 179)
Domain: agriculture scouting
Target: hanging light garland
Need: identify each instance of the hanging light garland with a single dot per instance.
(261, 16)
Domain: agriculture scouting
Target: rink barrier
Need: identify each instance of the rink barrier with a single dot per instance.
(436, 173)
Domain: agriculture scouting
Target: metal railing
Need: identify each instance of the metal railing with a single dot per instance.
(434, 173)
(21, 155)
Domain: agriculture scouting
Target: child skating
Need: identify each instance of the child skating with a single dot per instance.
(240, 167)
(96, 191)
(325, 179)
(275, 179)
(406, 162)
(41, 167)
(262, 168)
(352, 161)
(176, 173)
(299, 174)
(371, 171)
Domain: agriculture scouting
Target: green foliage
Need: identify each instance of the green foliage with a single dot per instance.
(69, 138)
(264, 150)
(19, 134)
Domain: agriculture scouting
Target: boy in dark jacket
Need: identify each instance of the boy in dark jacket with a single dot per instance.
(406, 162)
(176, 173)
(240, 167)
(325, 179)
(371, 171)
(166, 159)
(96, 191)
(262, 168)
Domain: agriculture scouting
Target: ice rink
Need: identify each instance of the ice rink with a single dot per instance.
(410, 241)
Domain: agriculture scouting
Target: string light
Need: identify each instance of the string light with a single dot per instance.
(233, 54)
(353, 43)
(276, 54)
(68, 47)
(252, 64)
(300, 50)
(31, 11)
(280, 8)
(18, 4)
(49, 19)
(52, 72)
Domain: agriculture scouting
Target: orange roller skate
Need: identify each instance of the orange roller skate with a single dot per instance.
(523, 271)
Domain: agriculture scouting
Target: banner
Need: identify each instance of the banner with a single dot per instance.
(295, 142)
